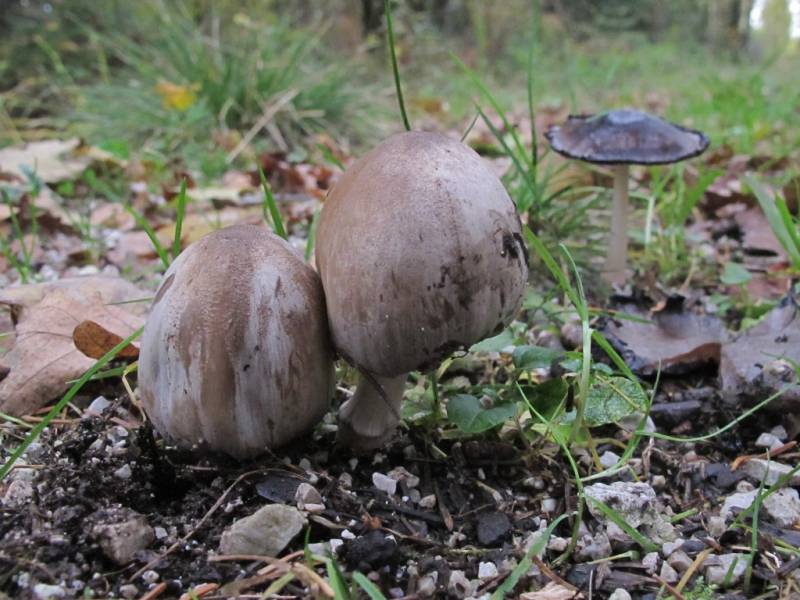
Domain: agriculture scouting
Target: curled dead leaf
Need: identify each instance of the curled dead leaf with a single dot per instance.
(94, 340)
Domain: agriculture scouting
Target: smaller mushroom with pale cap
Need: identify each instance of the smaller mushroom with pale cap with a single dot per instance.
(621, 138)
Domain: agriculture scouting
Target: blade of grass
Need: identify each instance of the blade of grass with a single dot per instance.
(620, 521)
(370, 588)
(525, 564)
(36, 431)
(395, 69)
(336, 579)
(270, 208)
(147, 228)
(176, 242)
(312, 235)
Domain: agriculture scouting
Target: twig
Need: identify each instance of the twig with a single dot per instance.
(155, 592)
(270, 111)
(202, 521)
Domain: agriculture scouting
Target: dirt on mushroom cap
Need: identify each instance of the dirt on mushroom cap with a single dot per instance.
(420, 252)
(235, 353)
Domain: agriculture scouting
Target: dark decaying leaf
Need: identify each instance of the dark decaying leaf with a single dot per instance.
(94, 340)
(676, 340)
(765, 358)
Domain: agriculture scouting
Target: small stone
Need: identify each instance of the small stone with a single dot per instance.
(124, 472)
(783, 507)
(549, 505)
(668, 574)
(716, 574)
(414, 496)
(779, 431)
(769, 471)
(668, 548)
(160, 532)
(744, 486)
(557, 544)
(347, 534)
(492, 527)
(18, 493)
(767, 440)
(636, 503)
(304, 464)
(426, 587)
(306, 494)
(267, 531)
(353, 462)
(716, 527)
(487, 570)
(121, 534)
(616, 535)
(401, 474)
(384, 483)
(458, 585)
(42, 591)
(594, 547)
(735, 503)
(428, 501)
(335, 543)
(150, 576)
(535, 483)
(98, 405)
(314, 508)
(650, 562)
(658, 482)
(129, 591)
(679, 561)
(346, 480)
(609, 459)
(619, 594)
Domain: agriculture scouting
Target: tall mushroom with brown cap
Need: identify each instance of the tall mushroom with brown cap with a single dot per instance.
(236, 355)
(621, 138)
(420, 252)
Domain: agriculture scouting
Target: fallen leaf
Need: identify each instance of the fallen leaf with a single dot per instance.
(197, 225)
(177, 97)
(552, 591)
(763, 359)
(44, 357)
(51, 160)
(94, 341)
(112, 216)
(676, 340)
(757, 235)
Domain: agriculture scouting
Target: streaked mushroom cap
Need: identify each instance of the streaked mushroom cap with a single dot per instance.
(625, 137)
(236, 353)
(420, 252)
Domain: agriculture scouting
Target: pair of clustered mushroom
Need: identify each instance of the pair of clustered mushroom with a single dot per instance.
(419, 252)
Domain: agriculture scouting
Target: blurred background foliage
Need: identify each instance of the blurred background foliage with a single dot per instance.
(157, 76)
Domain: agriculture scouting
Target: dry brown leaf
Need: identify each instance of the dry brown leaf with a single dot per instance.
(676, 340)
(113, 216)
(757, 235)
(51, 160)
(762, 360)
(197, 225)
(131, 245)
(44, 357)
(94, 341)
(552, 591)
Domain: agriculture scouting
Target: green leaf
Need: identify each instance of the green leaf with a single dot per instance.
(611, 399)
(735, 274)
(535, 357)
(494, 344)
(370, 588)
(546, 397)
(468, 415)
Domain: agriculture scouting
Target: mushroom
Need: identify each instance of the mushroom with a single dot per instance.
(236, 355)
(420, 252)
(620, 138)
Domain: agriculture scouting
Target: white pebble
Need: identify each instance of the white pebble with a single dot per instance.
(384, 483)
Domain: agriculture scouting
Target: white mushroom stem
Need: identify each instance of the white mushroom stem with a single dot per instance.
(368, 419)
(616, 259)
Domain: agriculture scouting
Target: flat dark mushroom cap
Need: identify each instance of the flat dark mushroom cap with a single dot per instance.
(625, 136)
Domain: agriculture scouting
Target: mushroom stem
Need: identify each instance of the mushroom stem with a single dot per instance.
(368, 419)
(616, 259)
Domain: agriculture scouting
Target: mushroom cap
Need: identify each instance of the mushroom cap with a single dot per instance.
(625, 137)
(236, 355)
(420, 252)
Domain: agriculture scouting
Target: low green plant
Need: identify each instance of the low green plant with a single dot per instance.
(784, 224)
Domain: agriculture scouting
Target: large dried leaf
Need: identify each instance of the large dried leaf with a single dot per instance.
(51, 160)
(95, 341)
(675, 340)
(763, 359)
(44, 357)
